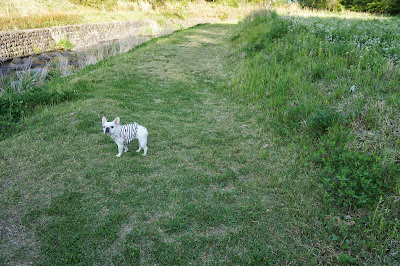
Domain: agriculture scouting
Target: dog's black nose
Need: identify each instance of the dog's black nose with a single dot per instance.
(107, 130)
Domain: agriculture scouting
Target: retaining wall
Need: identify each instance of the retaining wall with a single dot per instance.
(28, 42)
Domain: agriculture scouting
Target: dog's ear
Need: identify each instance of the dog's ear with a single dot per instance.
(104, 120)
(116, 121)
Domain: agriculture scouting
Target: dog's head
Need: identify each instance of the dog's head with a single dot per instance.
(110, 127)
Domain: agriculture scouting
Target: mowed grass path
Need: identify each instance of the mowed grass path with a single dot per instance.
(216, 186)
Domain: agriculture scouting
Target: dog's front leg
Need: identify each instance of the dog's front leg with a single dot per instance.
(120, 144)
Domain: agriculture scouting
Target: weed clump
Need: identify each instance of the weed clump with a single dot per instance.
(320, 120)
(350, 179)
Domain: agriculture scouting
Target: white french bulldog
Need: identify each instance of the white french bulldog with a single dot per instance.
(123, 134)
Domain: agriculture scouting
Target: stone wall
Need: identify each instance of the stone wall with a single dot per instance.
(28, 42)
(24, 42)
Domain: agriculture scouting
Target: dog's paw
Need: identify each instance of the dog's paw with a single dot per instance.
(118, 155)
(126, 150)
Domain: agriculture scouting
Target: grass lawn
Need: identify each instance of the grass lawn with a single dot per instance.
(216, 187)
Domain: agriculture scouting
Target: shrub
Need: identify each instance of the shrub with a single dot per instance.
(65, 44)
(322, 4)
(374, 6)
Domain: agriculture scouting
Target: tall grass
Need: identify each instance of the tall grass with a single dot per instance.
(292, 66)
(331, 86)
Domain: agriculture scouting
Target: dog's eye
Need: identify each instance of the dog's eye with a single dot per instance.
(112, 126)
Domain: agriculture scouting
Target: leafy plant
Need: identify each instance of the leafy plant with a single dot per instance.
(320, 120)
(65, 44)
(350, 178)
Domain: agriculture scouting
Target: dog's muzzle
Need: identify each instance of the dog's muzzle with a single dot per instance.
(107, 130)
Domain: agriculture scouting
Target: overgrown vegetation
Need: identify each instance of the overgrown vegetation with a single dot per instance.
(374, 6)
(330, 86)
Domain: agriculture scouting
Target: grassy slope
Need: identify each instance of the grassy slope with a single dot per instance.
(329, 85)
(203, 193)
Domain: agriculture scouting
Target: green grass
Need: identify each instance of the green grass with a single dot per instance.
(219, 184)
(330, 87)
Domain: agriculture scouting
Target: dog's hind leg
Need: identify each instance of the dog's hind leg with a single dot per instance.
(142, 145)
(142, 139)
